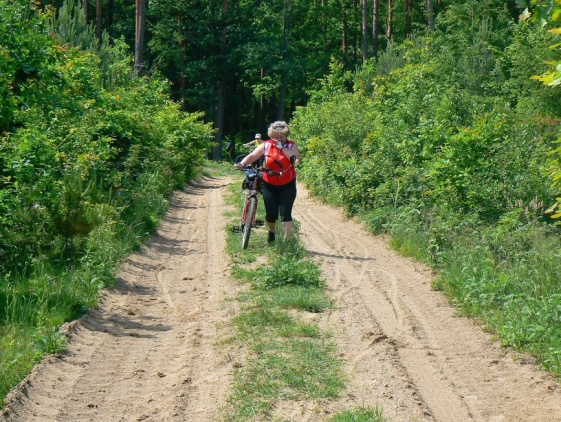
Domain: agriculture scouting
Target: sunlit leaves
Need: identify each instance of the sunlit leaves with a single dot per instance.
(525, 15)
(550, 11)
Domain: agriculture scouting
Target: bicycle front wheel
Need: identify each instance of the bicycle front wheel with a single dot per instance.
(249, 217)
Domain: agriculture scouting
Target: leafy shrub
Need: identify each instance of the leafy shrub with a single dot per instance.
(89, 155)
(288, 270)
(446, 150)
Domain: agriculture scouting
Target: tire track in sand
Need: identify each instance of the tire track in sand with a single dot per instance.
(403, 345)
(147, 351)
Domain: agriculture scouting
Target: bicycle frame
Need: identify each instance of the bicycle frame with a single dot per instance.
(252, 187)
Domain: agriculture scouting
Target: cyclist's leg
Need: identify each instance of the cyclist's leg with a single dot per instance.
(270, 199)
(287, 196)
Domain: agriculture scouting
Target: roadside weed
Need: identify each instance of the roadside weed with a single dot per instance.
(359, 415)
(307, 299)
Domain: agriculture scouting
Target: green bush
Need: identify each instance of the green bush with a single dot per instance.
(288, 270)
(89, 155)
(444, 145)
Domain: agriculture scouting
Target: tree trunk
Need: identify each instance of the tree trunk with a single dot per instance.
(375, 27)
(356, 41)
(220, 107)
(324, 24)
(344, 35)
(85, 10)
(408, 15)
(98, 15)
(282, 96)
(364, 10)
(182, 80)
(139, 35)
(430, 14)
(262, 121)
(283, 81)
(110, 7)
(389, 28)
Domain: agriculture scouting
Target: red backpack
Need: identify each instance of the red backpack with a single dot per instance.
(278, 162)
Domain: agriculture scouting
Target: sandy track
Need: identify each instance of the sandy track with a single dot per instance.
(148, 352)
(402, 342)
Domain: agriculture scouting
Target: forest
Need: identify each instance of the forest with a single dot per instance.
(436, 122)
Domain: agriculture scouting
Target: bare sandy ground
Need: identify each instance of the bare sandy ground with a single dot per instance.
(152, 350)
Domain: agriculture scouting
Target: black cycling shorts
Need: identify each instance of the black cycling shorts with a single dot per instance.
(279, 201)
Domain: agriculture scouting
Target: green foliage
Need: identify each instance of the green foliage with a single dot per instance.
(549, 12)
(89, 155)
(108, 152)
(26, 53)
(444, 148)
(359, 415)
(524, 57)
(423, 144)
(475, 34)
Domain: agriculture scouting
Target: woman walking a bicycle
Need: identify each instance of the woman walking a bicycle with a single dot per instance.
(279, 188)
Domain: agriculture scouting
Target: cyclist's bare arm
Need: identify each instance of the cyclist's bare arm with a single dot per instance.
(295, 153)
(252, 156)
(250, 143)
(255, 142)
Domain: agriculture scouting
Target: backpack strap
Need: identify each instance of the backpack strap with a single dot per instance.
(266, 150)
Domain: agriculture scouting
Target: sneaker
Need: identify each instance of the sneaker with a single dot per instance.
(271, 237)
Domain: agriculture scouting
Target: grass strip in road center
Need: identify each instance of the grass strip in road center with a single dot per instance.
(281, 356)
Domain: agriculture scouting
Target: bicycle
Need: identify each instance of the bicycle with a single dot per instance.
(252, 186)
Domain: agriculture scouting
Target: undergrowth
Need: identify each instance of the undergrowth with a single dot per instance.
(34, 306)
(505, 275)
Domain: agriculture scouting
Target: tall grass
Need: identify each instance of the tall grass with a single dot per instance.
(511, 282)
(505, 275)
(34, 305)
(359, 415)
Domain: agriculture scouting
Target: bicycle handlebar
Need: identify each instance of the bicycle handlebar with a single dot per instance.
(259, 169)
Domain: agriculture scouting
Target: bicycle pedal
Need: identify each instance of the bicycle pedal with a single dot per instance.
(236, 229)
(259, 223)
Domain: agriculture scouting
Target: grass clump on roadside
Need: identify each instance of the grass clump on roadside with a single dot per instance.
(307, 299)
(359, 415)
(34, 306)
(22, 347)
(510, 281)
(506, 275)
(287, 269)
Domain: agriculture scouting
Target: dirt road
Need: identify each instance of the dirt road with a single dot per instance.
(150, 351)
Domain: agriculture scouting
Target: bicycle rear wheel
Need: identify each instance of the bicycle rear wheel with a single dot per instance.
(249, 217)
